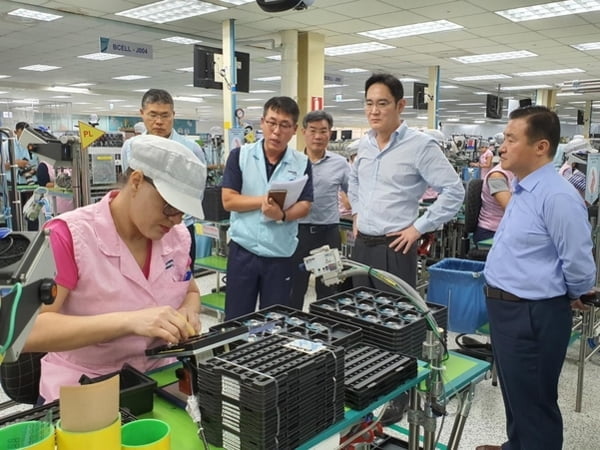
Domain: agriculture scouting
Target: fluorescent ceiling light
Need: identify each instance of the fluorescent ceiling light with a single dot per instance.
(353, 70)
(564, 94)
(261, 91)
(453, 119)
(60, 96)
(448, 86)
(4, 76)
(181, 40)
(577, 103)
(130, 77)
(356, 48)
(3, 92)
(469, 104)
(587, 46)
(39, 68)
(251, 99)
(115, 100)
(422, 117)
(554, 9)
(275, 78)
(479, 121)
(333, 85)
(541, 73)
(481, 93)
(32, 101)
(344, 100)
(170, 10)
(237, 2)
(497, 76)
(100, 56)
(448, 100)
(82, 84)
(69, 89)
(141, 90)
(470, 59)
(523, 88)
(411, 30)
(81, 103)
(409, 80)
(254, 107)
(186, 69)
(30, 14)
(330, 106)
(189, 99)
(274, 57)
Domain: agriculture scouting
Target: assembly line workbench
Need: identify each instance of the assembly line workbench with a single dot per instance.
(461, 372)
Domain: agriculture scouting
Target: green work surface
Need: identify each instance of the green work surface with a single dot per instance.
(486, 243)
(214, 300)
(218, 263)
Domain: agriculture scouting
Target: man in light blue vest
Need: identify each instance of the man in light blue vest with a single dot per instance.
(264, 235)
(158, 115)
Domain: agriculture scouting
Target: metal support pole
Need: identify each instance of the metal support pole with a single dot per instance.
(414, 408)
(466, 400)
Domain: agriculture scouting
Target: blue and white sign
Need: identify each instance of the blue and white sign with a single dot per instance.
(125, 48)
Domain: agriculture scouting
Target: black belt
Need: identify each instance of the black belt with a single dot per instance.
(499, 294)
(318, 228)
(372, 241)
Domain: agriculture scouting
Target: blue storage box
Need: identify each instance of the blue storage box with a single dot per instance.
(458, 284)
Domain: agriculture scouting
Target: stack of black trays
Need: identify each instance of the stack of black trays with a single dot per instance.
(371, 372)
(279, 319)
(388, 320)
(267, 395)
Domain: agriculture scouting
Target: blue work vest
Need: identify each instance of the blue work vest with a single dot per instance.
(251, 229)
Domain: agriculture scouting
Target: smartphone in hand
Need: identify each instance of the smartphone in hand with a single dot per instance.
(278, 196)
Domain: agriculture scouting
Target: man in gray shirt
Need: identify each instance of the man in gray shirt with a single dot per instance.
(330, 174)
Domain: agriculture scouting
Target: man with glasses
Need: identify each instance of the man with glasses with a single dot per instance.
(158, 115)
(321, 227)
(263, 235)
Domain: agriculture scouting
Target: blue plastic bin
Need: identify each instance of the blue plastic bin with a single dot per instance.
(458, 284)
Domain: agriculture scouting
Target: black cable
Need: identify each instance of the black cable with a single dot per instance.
(12, 241)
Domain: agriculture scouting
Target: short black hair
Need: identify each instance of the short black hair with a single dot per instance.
(21, 126)
(317, 116)
(542, 123)
(393, 84)
(285, 105)
(157, 96)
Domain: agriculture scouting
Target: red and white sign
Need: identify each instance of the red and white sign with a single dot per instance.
(316, 103)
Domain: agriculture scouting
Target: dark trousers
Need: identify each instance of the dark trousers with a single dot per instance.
(481, 234)
(249, 276)
(376, 253)
(192, 230)
(309, 238)
(529, 342)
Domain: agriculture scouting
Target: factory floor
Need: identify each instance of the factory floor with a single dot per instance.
(485, 424)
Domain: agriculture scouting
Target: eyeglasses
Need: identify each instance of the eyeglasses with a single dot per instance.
(379, 104)
(162, 116)
(168, 210)
(283, 126)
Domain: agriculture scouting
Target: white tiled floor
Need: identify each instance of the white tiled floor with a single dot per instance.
(485, 424)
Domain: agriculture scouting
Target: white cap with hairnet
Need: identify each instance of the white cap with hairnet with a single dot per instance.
(578, 145)
(178, 175)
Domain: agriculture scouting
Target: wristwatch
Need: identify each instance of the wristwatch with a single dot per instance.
(282, 218)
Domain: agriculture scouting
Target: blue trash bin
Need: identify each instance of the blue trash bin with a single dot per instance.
(458, 284)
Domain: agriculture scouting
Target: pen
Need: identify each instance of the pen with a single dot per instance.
(187, 276)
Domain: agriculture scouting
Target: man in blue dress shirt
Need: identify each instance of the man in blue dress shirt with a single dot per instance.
(158, 115)
(321, 227)
(392, 170)
(539, 266)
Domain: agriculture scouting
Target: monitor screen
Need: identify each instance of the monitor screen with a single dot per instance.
(208, 62)
(346, 135)
(493, 107)
(333, 135)
(419, 96)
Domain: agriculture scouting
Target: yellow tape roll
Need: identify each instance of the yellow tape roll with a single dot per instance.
(108, 438)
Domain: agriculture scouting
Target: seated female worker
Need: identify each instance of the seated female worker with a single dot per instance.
(123, 271)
